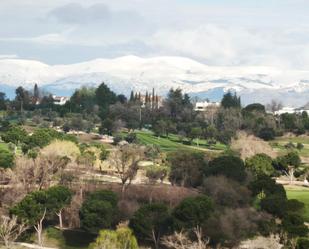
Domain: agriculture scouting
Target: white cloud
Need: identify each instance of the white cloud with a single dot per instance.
(228, 45)
(269, 32)
(8, 56)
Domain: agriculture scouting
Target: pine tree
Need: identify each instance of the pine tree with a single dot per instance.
(157, 101)
(153, 96)
(146, 98)
(132, 96)
(36, 94)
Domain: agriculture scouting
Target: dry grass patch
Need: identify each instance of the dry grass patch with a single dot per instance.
(249, 145)
(62, 149)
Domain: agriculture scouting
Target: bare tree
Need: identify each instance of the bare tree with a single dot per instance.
(274, 106)
(10, 229)
(181, 240)
(38, 174)
(125, 160)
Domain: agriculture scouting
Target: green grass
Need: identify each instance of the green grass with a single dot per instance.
(3, 146)
(172, 143)
(280, 142)
(68, 239)
(301, 194)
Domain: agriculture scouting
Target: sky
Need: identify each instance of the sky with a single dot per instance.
(215, 32)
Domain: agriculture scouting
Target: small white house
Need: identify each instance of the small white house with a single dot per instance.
(60, 100)
(203, 106)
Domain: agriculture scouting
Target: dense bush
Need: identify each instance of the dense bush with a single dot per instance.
(230, 166)
(192, 212)
(302, 243)
(122, 238)
(274, 204)
(267, 134)
(226, 192)
(150, 222)
(260, 164)
(99, 211)
(267, 185)
(294, 225)
(187, 168)
(6, 158)
(15, 134)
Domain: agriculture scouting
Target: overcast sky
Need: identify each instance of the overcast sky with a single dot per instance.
(215, 32)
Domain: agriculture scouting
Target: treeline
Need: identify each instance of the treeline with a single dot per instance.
(91, 108)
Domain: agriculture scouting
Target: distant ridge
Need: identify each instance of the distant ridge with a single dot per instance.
(123, 74)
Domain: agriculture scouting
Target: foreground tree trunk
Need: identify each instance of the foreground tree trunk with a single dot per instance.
(156, 239)
(39, 228)
(59, 214)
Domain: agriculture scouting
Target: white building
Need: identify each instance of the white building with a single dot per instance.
(60, 100)
(291, 110)
(205, 105)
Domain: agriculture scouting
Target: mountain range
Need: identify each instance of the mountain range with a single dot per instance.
(253, 84)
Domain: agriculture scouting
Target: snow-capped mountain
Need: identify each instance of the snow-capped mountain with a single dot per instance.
(162, 73)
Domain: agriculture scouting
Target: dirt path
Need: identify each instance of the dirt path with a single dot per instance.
(27, 245)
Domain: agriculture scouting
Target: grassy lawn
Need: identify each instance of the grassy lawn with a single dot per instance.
(279, 143)
(3, 146)
(68, 239)
(301, 194)
(173, 143)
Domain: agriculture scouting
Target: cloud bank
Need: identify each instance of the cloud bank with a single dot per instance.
(220, 33)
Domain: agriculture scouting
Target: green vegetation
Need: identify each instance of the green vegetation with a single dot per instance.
(301, 194)
(213, 193)
(280, 144)
(173, 143)
(98, 211)
(68, 239)
(123, 237)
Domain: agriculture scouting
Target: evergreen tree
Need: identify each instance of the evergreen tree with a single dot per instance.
(146, 98)
(157, 102)
(153, 98)
(36, 93)
(132, 96)
(230, 100)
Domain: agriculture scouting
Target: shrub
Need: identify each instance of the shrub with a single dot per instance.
(192, 212)
(6, 158)
(260, 164)
(294, 225)
(187, 168)
(267, 134)
(226, 192)
(150, 222)
(230, 166)
(121, 238)
(99, 211)
(275, 205)
(267, 185)
(302, 243)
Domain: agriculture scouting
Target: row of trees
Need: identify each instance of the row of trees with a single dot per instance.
(175, 115)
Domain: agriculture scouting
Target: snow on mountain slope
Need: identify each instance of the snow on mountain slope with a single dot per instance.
(140, 74)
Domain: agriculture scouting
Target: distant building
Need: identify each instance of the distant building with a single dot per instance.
(205, 105)
(291, 110)
(60, 100)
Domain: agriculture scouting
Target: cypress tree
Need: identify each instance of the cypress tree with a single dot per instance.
(132, 96)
